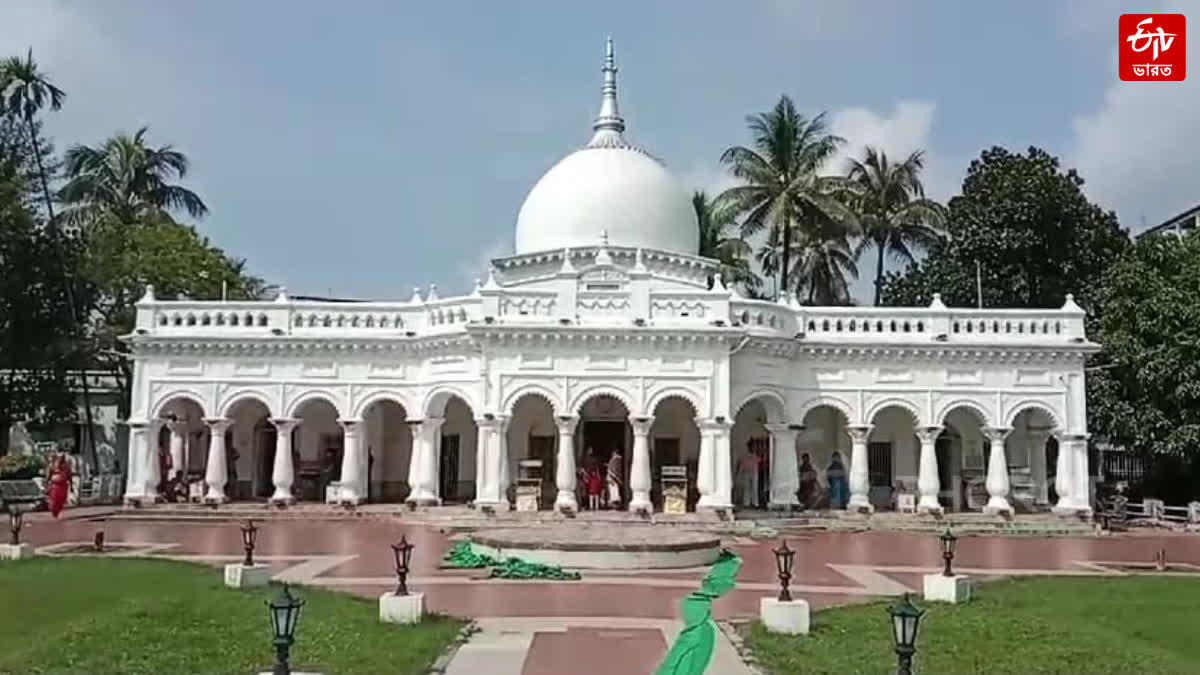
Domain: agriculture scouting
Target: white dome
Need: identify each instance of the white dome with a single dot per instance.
(609, 190)
(620, 191)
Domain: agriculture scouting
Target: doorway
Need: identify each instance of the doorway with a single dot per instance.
(264, 441)
(602, 437)
(448, 468)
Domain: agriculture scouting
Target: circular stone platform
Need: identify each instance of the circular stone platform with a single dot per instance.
(578, 546)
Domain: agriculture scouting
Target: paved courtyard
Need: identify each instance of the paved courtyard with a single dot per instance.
(530, 627)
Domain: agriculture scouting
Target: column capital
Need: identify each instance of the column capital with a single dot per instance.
(995, 434)
(859, 432)
(138, 423)
(489, 420)
(426, 424)
(349, 422)
(928, 434)
(566, 423)
(285, 423)
(714, 424)
(781, 427)
(218, 424)
(177, 425)
(641, 425)
(1065, 437)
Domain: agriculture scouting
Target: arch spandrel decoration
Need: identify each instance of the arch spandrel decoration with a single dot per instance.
(1040, 405)
(979, 409)
(694, 399)
(625, 397)
(907, 405)
(825, 400)
(508, 404)
(317, 393)
(434, 403)
(773, 403)
(369, 398)
(181, 394)
(231, 400)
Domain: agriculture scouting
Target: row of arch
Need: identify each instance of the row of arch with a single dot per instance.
(777, 409)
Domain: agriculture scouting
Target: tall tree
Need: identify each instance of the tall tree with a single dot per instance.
(894, 216)
(719, 239)
(24, 92)
(126, 179)
(822, 262)
(1028, 229)
(782, 184)
(1144, 389)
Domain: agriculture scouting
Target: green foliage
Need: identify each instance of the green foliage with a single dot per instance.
(88, 616)
(1033, 232)
(21, 467)
(719, 239)
(1144, 393)
(1050, 626)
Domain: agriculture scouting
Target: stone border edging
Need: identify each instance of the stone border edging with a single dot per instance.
(730, 631)
(442, 662)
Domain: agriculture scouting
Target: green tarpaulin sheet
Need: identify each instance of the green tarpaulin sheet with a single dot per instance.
(693, 649)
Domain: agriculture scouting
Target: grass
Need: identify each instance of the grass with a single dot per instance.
(104, 616)
(1049, 625)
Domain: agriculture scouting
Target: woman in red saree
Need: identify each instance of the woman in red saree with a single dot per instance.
(59, 484)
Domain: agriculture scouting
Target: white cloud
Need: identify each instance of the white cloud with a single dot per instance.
(1136, 150)
(908, 128)
(477, 267)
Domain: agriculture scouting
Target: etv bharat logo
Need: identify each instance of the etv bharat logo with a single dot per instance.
(1152, 47)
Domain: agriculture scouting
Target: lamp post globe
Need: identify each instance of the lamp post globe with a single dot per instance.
(249, 535)
(285, 614)
(906, 621)
(785, 559)
(949, 544)
(402, 551)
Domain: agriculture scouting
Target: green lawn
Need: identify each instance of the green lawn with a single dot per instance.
(103, 616)
(1050, 625)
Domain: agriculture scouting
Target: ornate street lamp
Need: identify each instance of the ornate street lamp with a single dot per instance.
(906, 620)
(949, 543)
(784, 560)
(16, 519)
(285, 614)
(249, 535)
(403, 553)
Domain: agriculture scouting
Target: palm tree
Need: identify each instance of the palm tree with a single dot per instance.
(895, 217)
(782, 185)
(719, 240)
(24, 92)
(127, 180)
(821, 260)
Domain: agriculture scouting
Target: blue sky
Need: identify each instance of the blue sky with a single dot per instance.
(363, 148)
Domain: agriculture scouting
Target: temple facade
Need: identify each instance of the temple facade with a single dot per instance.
(605, 332)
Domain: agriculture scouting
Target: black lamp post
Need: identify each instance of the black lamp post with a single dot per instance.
(249, 534)
(16, 518)
(949, 543)
(403, 553)
(906, 620)
(784, 560)
(285, 614)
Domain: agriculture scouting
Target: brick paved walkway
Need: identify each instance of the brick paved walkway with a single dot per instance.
(831, 568)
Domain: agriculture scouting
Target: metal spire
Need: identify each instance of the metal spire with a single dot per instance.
(609, 124)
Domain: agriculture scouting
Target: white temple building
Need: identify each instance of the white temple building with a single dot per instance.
(606, 331)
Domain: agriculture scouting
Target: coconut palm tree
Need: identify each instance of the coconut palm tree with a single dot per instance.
(822, 261)
(719, 239)
(24, 92)
(782, 184)
(127, 180)
(894, 216)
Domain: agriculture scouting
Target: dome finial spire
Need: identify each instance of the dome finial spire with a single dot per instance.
(609, 124)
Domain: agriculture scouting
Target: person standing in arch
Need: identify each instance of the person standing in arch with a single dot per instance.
(616, 471)
(748, 476)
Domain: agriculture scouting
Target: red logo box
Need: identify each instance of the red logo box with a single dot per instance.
(1152, 47)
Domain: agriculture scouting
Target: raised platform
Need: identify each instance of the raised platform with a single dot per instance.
(581, 546)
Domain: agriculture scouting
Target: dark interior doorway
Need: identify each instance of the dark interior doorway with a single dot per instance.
(264, 438)
(448, 468)
(602, 437)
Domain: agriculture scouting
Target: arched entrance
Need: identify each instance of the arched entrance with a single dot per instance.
(824, 444)
(249, 450)
(452, 439)
(180, 449)
(1032, 453)
(604, 429)
(962, 450)
(674, 442)
(532, 435)
(385, 450)
(317, 445)
(893, 456)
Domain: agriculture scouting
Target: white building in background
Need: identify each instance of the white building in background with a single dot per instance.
(603, 332)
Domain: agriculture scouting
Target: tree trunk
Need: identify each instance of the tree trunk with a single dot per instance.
(879, 272)
(786, 236)
(89, 430)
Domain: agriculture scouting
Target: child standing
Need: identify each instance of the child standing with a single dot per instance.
(595, 486)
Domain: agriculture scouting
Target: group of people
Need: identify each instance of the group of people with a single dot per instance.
(602, 482)
(810, 494)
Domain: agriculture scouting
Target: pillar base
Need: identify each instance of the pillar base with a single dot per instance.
(240, 576)
(790, 617)
(930, 506)
(15, 551)
(565, 503)
(215, 499)
(401, 608)
(860, 505)
(640, 504)
(941, 588)
(998, 506)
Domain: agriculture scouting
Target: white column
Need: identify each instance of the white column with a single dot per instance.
(860, 478)
(415, 462)
(483, 442)
(785, 472)
(350, 481)
(152, 465)
(1062, 473)
(215, 470)
(639, 470)
(997, 472)
(505, 471)
(137, 460)
(705, 466)
(928, 484)
(1081, 488)
(493, 457)
(178, 431)
(283, 474)
(426, 434)
(1035, 440)
(564, 473)
(1075, 493)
